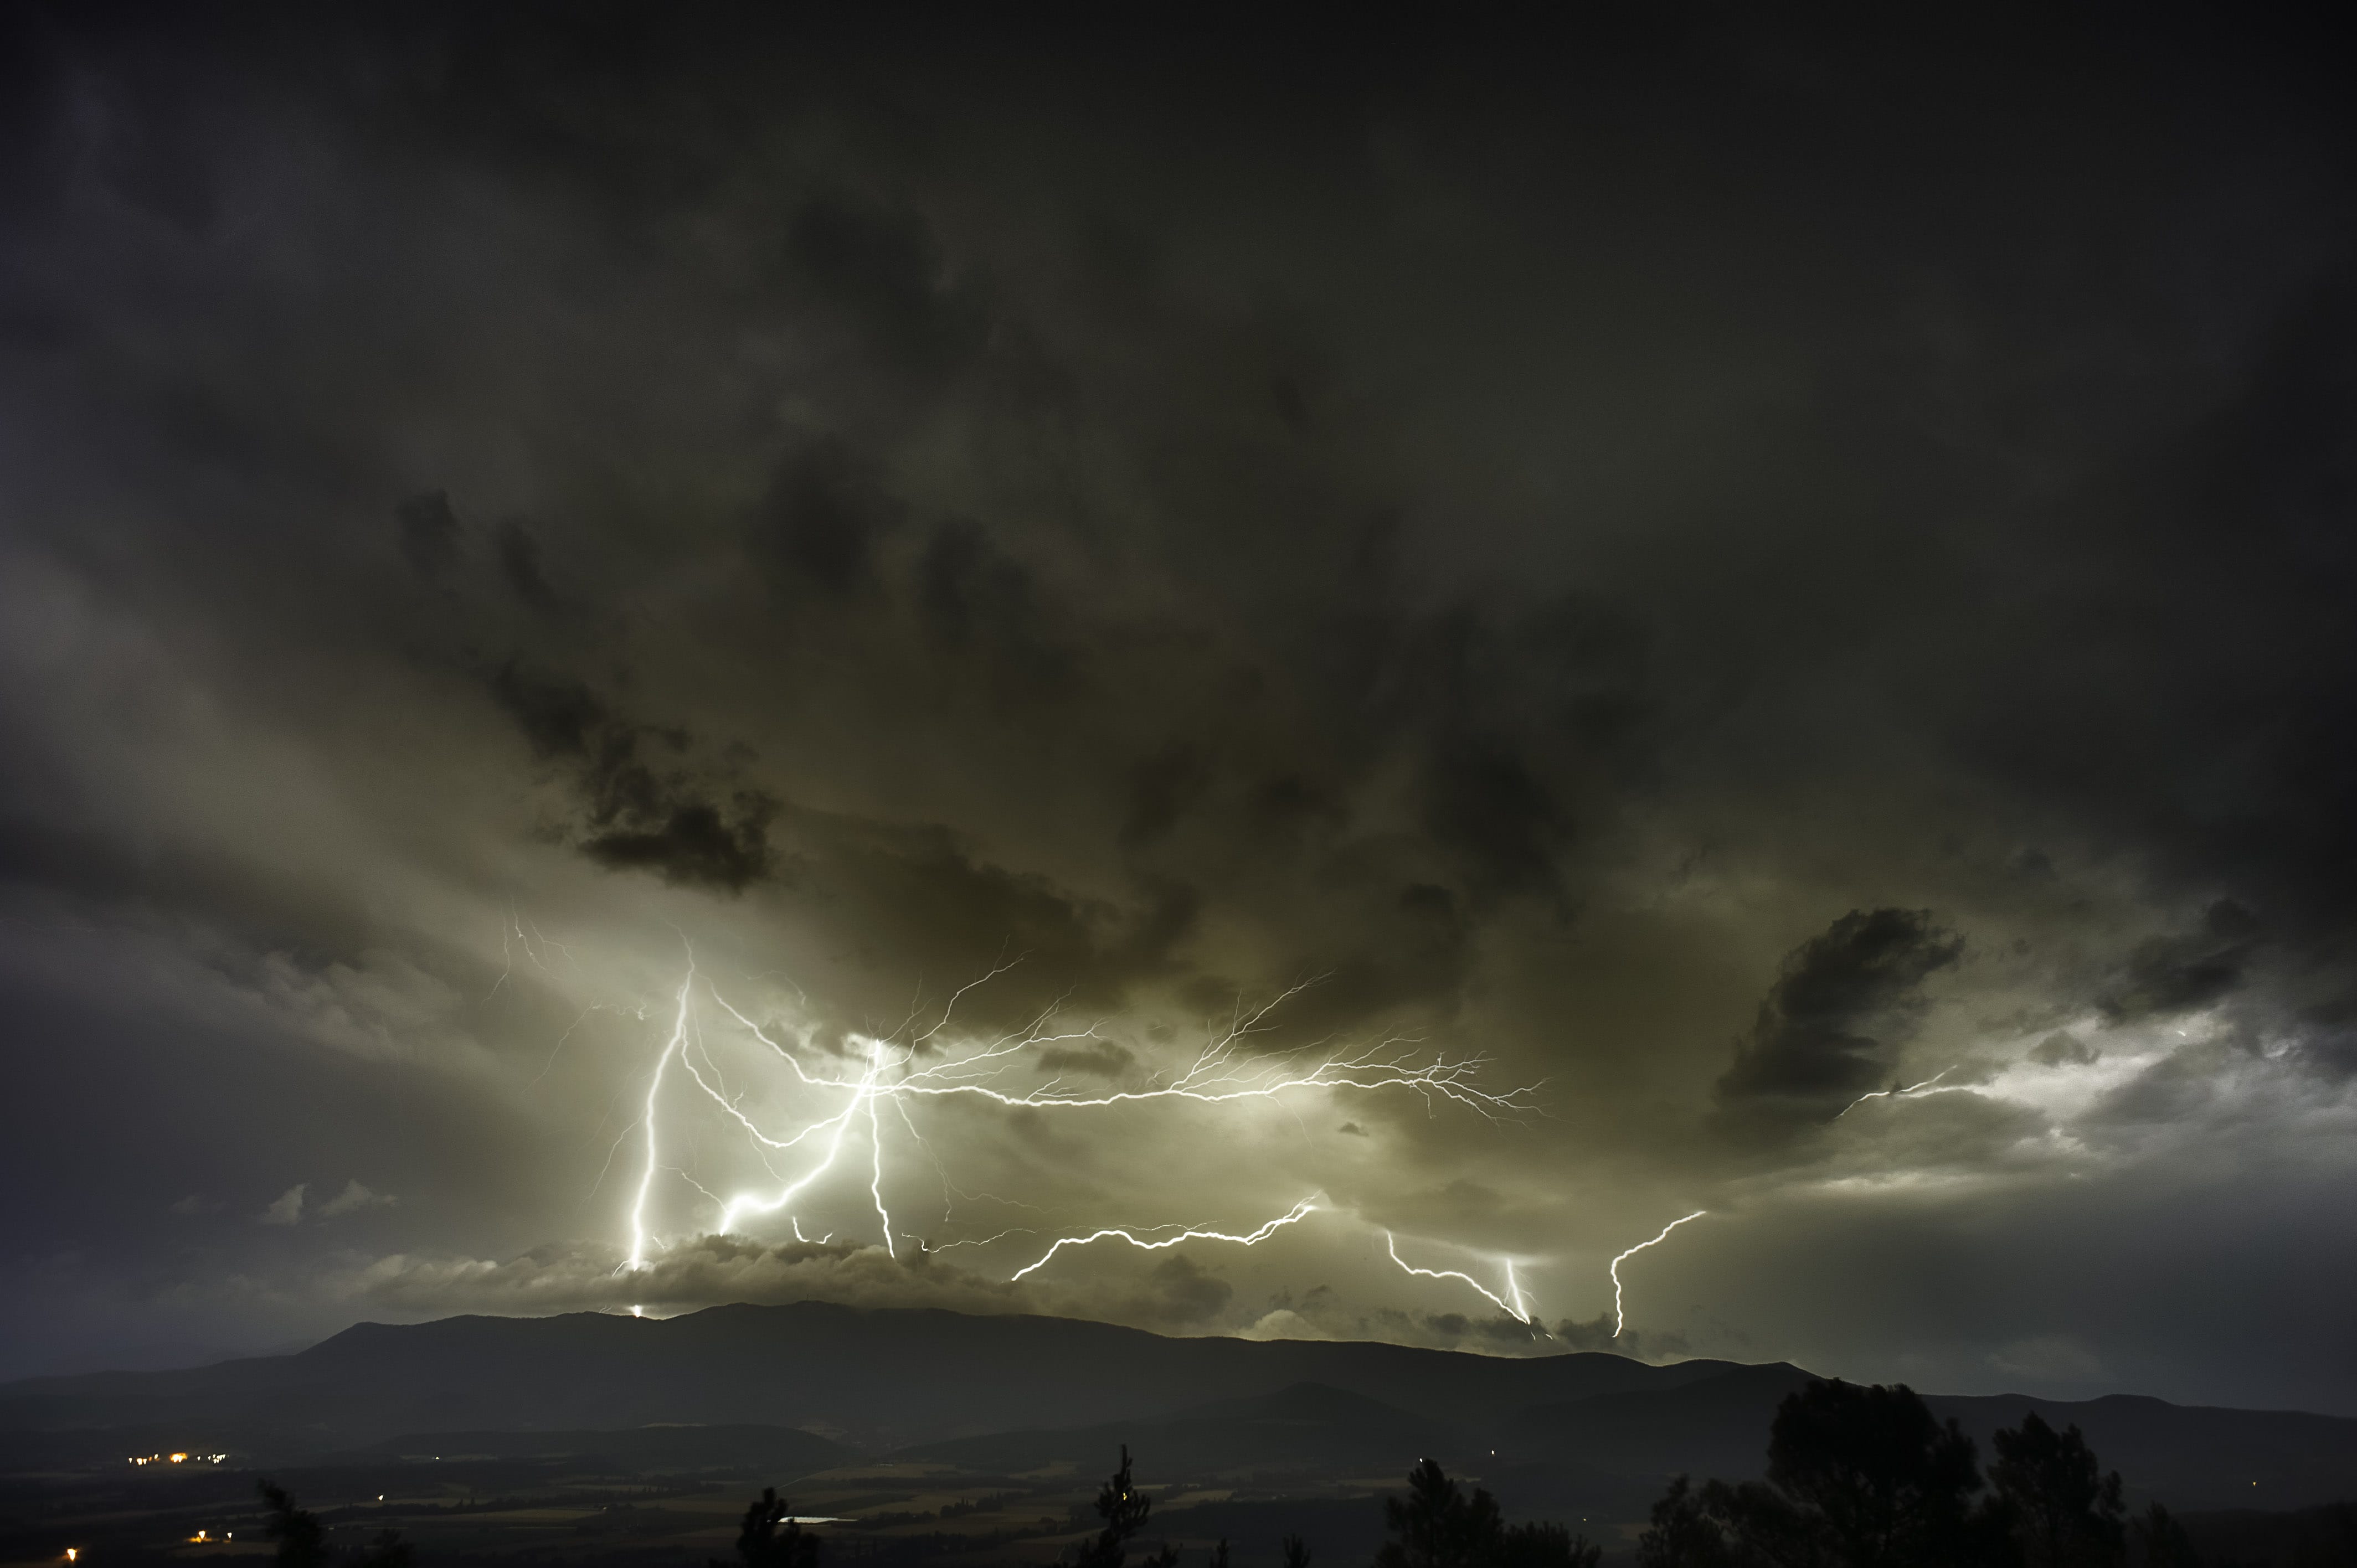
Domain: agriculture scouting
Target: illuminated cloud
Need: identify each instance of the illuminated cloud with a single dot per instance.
(1642, 593)
(354, 1198)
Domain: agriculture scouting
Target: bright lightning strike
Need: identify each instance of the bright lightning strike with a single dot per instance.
(1299, 1211)
(1514, 1291)
(1514, 1309)
(889, 1071)
(1619, 1319)
(674, 1046)
(1887, 1093)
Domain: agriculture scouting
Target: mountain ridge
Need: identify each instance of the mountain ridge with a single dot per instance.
(1011, 1391)
(811, 1364)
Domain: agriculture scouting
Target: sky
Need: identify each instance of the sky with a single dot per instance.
(652, 662)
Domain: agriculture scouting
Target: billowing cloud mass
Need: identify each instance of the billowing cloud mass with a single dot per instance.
(577, 595)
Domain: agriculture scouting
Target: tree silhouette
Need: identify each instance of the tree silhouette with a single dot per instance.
(1123, 1510)
(1437, 1526)
(1865, 1477)
(1544, 1544)
(387, 1551)
(1885, 1482)
(1684, 1532)
(301, 1542)
(771, 1538)
(1297, 1552)
(2065, 1512)
(1857, 1477)
(2162, 1542)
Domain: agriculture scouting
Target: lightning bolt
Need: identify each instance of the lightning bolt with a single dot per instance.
(1886, 1093)
(889, 1069)
(985, 1240)
(1301, 1210)
(1514, 1290)
(1514, 1309)
(749, 1203)
(1619, 1319)
(675, 1046)
(876, 1181)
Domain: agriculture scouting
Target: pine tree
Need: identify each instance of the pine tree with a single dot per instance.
(773, 1538)
(1123, 1510)
(1436, 1526)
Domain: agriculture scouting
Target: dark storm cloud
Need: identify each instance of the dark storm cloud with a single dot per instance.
(819, 527)
(1521, 540)
(2062, 1050)
(2172, 975)
(889, 278)
(1827, 1028)
(1162, 787)
(517, 550)
(690, 841)
(429, 533)
(637, 813)
(558, 717)
(972, 593)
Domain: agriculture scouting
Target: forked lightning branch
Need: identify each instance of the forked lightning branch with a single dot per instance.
(870, 1096)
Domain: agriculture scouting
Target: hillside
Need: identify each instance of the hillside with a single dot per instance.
(1010, 1395)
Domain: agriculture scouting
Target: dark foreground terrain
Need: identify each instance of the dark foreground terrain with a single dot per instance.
(923, 1436)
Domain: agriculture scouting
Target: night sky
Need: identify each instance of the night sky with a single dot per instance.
(1692, 569)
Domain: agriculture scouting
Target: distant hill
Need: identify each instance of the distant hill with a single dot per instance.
(2194, 1456)
(1566, 1433)
(876, 1378)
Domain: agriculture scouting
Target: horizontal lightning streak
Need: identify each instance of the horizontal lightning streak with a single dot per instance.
(1887, 1093)
(1299, 1210)
(1448, 1079)
(986, 1240)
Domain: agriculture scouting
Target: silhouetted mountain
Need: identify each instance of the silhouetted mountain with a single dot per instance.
(2191, 1455)
(1570, 1435)
(2195, 1456)
(874, 1377)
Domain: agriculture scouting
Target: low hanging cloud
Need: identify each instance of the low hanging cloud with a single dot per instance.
(692, 1275)
(286, 1209)
(354, 1198)
(642, 807)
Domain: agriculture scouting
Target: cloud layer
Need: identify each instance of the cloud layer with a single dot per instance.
(1730, 577)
